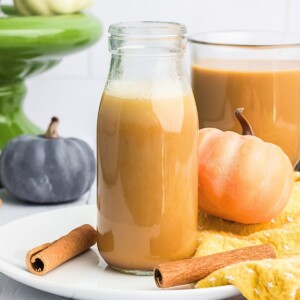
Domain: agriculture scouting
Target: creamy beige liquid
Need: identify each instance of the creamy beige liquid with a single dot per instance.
(268, 90)
(147, 178)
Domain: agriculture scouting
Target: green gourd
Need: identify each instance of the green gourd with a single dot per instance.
(47, 168)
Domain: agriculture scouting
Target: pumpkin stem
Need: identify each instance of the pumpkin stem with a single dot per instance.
(246, 127)
(51, 132)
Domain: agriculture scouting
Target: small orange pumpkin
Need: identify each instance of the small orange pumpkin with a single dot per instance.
(242, 178)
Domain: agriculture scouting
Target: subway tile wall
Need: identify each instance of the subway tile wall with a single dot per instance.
(72, 90)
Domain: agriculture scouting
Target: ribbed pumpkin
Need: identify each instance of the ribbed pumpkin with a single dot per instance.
(242, 178)
(47, 168)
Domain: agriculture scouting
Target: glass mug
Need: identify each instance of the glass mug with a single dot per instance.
(147, 150)
(259, 71)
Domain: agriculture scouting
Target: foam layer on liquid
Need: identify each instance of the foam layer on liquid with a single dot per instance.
(145, 90)
(248, 65)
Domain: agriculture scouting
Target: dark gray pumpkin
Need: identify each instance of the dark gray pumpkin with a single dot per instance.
(47, 169)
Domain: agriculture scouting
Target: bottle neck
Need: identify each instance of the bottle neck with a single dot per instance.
(148, 54)
(148, 68)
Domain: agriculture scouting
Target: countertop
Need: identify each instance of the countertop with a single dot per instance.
(11, 210)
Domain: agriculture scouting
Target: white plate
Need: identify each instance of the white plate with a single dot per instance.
(87, 276)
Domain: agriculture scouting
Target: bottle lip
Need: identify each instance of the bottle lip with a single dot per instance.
(147, 30)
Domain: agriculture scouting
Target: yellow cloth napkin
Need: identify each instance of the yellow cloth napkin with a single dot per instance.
(267, 279)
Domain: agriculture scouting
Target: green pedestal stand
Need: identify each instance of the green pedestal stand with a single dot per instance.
(30, 46)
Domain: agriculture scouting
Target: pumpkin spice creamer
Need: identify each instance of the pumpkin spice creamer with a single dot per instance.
(147, 150)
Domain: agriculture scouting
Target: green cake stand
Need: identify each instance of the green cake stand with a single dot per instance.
(30, 46)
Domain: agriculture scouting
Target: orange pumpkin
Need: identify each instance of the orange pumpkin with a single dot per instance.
(241, 177)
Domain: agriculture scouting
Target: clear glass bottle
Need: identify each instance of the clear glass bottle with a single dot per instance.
(147, 150)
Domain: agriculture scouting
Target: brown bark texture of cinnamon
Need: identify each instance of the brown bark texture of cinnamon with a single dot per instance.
(46, 257)
(192, 270)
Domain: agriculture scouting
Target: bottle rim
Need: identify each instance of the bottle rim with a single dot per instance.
(249, 39)
(147, 30)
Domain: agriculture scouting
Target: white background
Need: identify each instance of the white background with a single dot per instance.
(72, 90)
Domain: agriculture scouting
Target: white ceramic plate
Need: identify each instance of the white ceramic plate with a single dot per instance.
(87, 276)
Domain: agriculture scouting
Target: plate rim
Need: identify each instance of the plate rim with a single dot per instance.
(25, 277)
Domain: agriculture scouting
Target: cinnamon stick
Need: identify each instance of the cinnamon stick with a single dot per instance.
(46, 257)
(194, 269)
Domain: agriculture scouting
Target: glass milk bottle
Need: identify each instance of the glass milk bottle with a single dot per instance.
(147, 150)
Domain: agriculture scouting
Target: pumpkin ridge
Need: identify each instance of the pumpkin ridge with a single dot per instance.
(205, 138)
(246, 178)
(81, 161)
(286, 189)
(222, 185)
